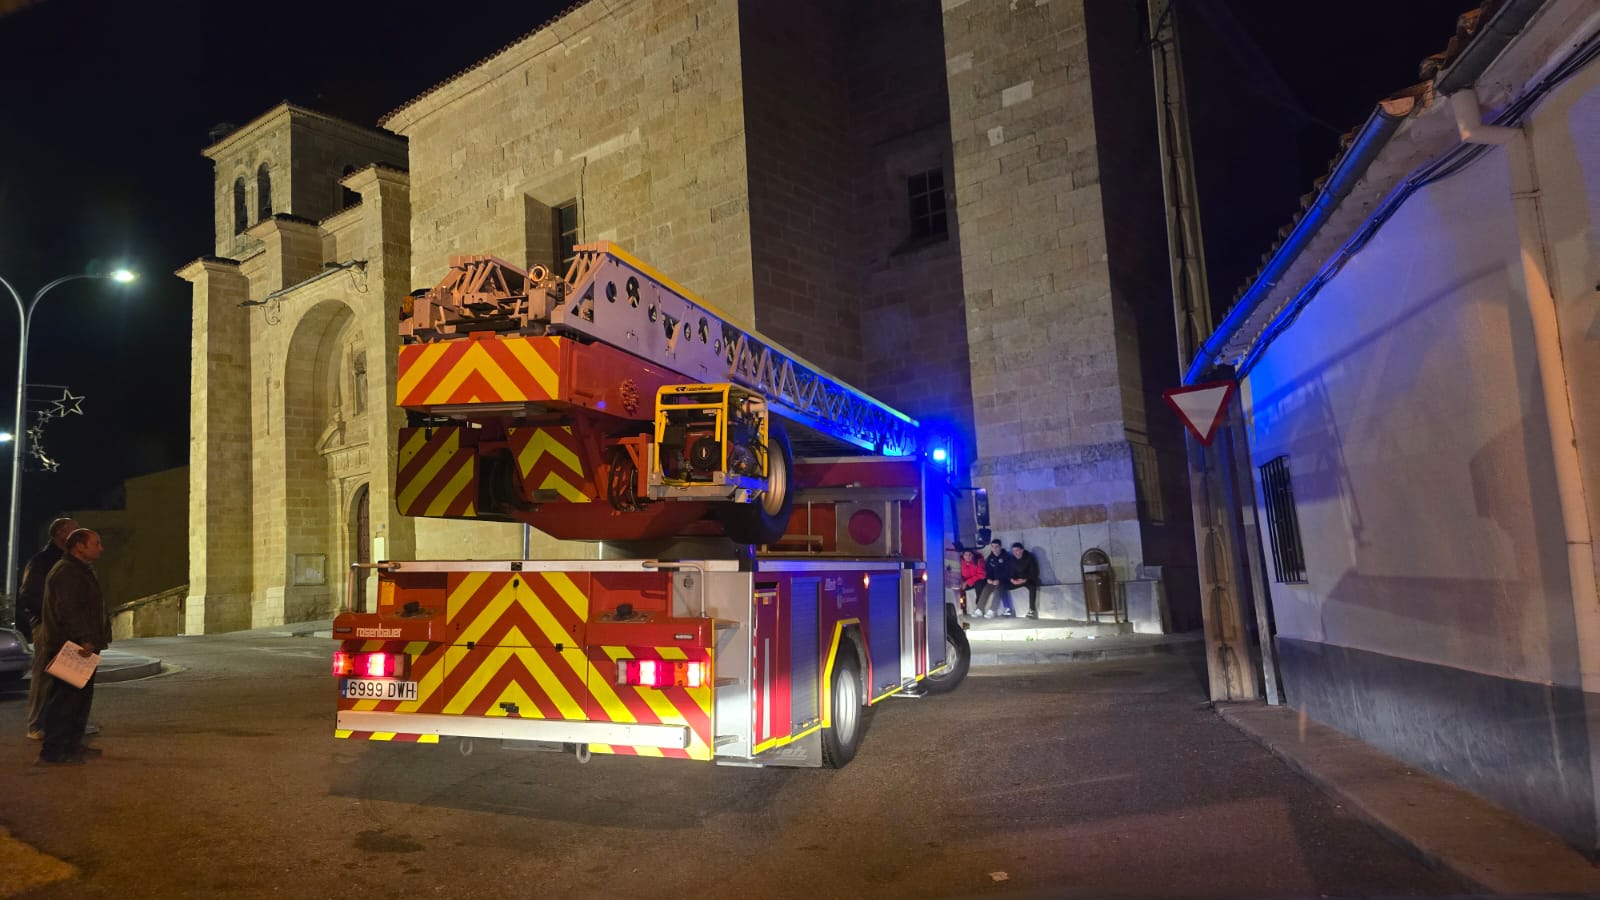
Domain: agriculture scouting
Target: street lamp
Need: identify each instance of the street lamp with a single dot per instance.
(19, 433)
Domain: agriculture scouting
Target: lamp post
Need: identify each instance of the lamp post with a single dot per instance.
(19, 433)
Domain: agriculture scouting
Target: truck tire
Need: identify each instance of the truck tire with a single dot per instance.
(766, 519)
(957, 657)
(843, 734)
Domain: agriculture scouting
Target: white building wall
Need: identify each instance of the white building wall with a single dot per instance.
(1406, 396)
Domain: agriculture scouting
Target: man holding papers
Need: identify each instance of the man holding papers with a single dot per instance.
(73, 612)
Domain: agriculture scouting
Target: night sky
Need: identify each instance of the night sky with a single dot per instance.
(105, 107)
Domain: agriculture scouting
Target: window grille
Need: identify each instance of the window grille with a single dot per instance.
(1283, 524)
(926, 191)
(566, 232)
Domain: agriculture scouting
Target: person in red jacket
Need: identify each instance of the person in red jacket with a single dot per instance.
(971, 577)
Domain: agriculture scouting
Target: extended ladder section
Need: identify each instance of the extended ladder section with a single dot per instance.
(611, 297)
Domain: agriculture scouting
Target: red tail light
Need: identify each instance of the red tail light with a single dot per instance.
(368, 665)
(660, 673)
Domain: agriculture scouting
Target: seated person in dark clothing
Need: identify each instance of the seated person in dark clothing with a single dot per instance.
(1025, 573)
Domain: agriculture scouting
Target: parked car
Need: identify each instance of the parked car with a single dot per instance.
(16, 657)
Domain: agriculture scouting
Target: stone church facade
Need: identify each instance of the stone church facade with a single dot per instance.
(911, 196)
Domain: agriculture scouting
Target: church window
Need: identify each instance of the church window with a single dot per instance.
(241, 209)
(926, 191)
(263, 193)
(348, 198)
(566, 234)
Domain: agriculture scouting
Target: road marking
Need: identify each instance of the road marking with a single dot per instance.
(24, 869)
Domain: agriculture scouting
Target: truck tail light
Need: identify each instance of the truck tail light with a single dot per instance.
(660, 673)
(368, 665)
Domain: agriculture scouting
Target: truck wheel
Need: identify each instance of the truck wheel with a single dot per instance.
(841, 738)
(766, 519)
(957, 657)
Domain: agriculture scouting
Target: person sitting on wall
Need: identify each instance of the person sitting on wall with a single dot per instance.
(972, 575)
(1025, 573)
(996, 581)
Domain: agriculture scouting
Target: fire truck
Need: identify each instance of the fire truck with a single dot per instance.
(765, 532)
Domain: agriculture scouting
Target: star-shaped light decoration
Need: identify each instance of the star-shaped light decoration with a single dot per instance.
(69, 404)
(48, 464)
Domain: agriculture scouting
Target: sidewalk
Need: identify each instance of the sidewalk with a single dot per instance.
(1440, 824)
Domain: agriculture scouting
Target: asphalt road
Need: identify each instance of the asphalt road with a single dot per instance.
(1109, 779)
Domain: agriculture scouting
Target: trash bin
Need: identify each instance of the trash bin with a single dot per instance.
(1099, 583)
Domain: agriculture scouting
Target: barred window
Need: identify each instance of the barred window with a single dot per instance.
(566, 233)
(1283, 524)
(926, 191)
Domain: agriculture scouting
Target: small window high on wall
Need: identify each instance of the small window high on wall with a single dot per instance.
(566, 232)
(347, 197)
(926, 191)
(263, 193)
(1283, 523)
(241, 208)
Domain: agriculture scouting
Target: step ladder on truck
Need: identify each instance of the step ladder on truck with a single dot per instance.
(766, 532)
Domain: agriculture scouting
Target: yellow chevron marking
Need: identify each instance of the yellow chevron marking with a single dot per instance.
(420, 367)
(474, 360)
(563, 487)
(672, 653)
(544, 442)
(430, 470)
(601, 689)
(415, 440)
(383, 735)
(498, 604)
(570, 593)
(523, 350)
(453, 489)
(342, 732)
(428, 739)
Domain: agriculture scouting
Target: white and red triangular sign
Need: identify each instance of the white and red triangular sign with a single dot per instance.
(1201, 406)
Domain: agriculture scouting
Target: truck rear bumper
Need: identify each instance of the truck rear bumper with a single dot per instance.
(675, 737)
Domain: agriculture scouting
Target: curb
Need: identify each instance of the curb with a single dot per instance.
(1444, 826)
(142, 669)
(1030, 657)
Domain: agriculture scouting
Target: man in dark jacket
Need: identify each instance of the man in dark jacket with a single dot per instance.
(73, 611)
(997, 581)
(30, 606)
(1025, 573)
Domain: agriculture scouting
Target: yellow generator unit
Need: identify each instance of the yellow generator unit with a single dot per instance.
(711, 442)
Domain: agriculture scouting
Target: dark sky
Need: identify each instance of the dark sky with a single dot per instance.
(105, 106)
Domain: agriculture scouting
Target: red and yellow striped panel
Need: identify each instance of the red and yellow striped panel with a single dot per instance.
(549, 458)
(484, 369)
(436, 476)
(514, 623)
(674, 705)
(426, 670)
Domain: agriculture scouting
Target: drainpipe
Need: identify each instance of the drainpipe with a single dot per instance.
(1525, 194)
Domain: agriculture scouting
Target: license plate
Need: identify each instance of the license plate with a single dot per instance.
(377, 689)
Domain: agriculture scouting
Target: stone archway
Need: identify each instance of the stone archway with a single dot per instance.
(326, 458)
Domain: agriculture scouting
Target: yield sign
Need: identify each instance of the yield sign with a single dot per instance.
(1201, 406)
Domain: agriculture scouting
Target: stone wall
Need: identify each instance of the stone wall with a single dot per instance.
(633, 109)
(1050, 385)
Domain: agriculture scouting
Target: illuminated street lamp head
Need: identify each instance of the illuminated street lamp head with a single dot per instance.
(123, 276)
(5, 437)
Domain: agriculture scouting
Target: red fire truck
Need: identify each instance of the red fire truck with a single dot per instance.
(765, 532)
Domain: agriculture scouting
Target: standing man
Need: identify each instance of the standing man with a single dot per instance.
(73, 611)
(30, 607)
(997, 581)
(1025, 573)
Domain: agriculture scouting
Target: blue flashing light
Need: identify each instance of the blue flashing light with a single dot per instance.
(940, 454)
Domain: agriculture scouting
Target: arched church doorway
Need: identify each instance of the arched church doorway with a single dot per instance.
(327, 462)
